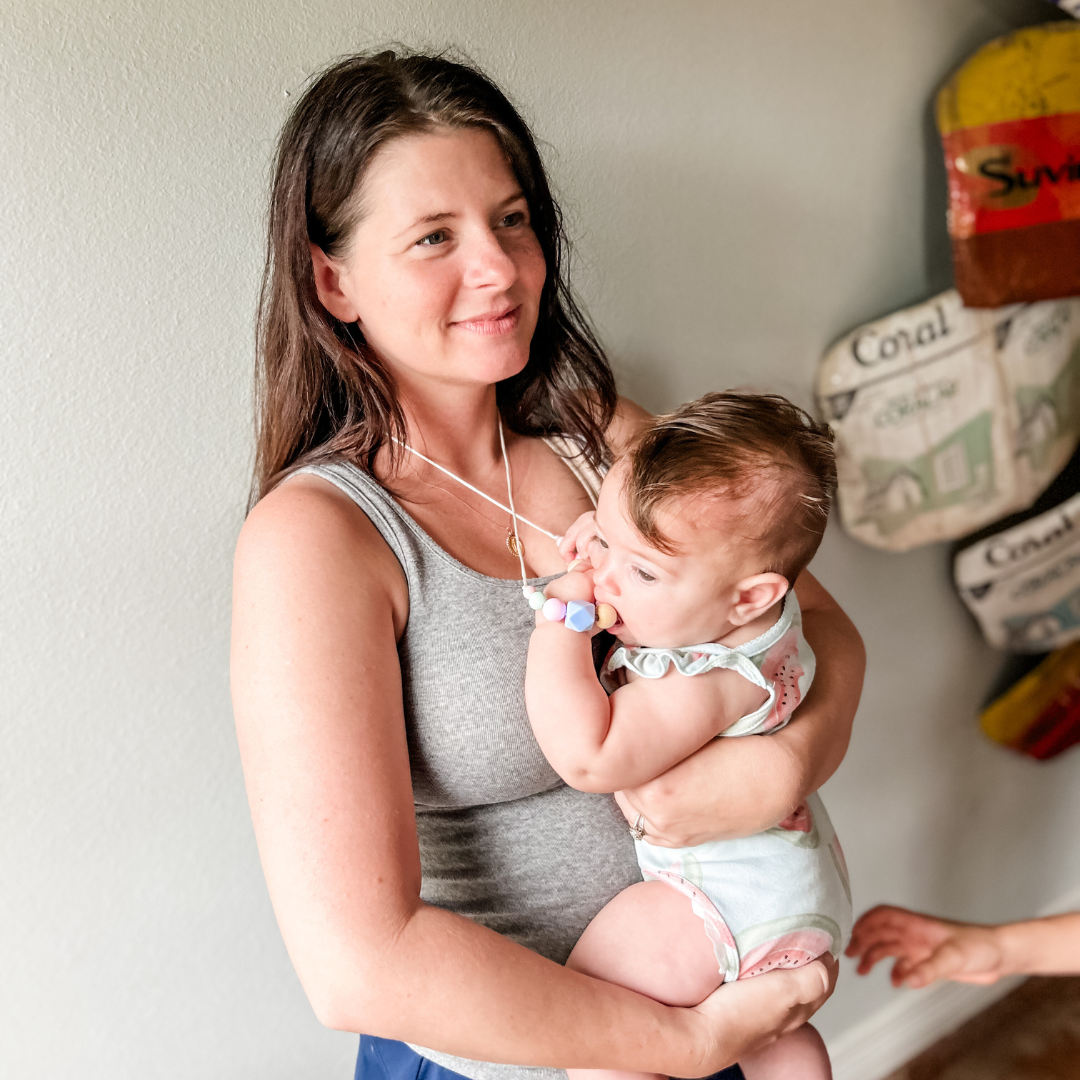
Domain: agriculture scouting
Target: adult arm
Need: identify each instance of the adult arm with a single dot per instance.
(927, 949)
(738, 787)
(319, 602)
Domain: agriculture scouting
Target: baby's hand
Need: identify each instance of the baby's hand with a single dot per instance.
(575, 541)
(575, 584)
(926, 949)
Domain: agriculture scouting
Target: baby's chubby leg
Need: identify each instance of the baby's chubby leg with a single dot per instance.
(649, 940)
(798, 1056)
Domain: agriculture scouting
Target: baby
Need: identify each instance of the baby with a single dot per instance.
(699, 533)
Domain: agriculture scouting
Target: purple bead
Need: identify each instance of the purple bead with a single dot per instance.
(580, 615)
(554, 610)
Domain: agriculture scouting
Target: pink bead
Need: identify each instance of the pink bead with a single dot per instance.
(554, 610)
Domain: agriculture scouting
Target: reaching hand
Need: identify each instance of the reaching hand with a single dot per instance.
(580, 532)
(926, 949)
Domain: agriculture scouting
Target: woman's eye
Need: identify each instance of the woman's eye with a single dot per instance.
(432, 239)
(516, 218)
(644, 575)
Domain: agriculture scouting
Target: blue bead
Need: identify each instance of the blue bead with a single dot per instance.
(580, 615)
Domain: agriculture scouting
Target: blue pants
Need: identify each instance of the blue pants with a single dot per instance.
(383, 1059)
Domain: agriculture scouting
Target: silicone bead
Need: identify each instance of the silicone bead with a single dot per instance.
(577, 564)
(606, 616)
(554, 610)
(580, 615)
(537, 600)
(528, 590)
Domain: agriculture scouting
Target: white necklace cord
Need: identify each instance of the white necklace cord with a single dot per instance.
(514, 515)
(510, 498)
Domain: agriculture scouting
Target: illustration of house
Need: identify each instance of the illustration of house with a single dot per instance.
(901, 491)
(1039, 424)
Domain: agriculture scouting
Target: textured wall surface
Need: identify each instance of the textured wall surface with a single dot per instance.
(745, 180)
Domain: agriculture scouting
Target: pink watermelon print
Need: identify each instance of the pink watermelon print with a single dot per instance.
(790, 950)
(781, 666)
(800, 821)
(716, 929)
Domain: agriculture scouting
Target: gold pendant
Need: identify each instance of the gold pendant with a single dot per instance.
(513, 545)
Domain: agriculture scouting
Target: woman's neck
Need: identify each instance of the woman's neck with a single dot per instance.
(456, 426)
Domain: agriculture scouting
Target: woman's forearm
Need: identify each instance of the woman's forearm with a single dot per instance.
(452, 985)
(446, 983)
(820, 739)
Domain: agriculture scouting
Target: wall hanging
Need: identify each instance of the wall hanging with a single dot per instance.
(1009, 120)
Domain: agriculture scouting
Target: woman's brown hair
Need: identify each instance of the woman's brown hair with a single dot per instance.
(321, 392)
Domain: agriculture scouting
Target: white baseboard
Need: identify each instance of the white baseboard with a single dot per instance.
(916, 1019)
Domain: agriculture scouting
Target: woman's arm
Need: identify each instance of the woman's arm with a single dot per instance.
(319, 601)
(738, 787)
(927, 949)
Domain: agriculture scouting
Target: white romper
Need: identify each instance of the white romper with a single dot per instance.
(779, 898)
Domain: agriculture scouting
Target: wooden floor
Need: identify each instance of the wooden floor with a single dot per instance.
(1032, 1034)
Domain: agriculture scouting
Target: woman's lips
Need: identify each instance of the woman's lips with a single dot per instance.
(493, 325)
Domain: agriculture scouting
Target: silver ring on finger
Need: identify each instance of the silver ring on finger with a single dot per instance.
(637, 830)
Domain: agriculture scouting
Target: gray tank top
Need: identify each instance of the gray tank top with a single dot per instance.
(503, 840)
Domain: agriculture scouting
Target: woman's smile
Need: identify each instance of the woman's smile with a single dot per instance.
(504, 321)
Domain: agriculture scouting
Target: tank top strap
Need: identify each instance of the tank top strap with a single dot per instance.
(395, 526)
(588, 476)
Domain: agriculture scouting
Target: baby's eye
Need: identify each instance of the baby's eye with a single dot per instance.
(437, 237)
(644, 575)
(594, 539)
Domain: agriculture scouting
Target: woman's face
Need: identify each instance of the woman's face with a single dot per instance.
(444, 272)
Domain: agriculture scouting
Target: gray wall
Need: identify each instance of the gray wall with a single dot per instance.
(745, 180)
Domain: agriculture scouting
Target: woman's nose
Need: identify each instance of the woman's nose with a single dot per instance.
(488, 262)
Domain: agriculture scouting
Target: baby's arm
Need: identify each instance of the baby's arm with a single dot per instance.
(927, 949)
(597, 743)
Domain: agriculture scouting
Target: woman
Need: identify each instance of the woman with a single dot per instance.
(412, 835)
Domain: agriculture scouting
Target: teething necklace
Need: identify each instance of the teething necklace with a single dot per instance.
(578, 615)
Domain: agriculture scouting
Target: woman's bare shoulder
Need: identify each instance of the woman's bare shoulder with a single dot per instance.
(628, 421)
(308, 529)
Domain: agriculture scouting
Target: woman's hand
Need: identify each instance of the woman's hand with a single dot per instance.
(750, 1014)
(927, 949)
(739, 787)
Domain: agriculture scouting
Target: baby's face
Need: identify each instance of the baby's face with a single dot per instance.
(665, 601)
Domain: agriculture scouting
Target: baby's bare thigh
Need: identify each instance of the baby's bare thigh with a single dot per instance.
(648, 939)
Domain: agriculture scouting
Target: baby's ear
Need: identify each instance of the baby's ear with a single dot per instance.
(757, 594)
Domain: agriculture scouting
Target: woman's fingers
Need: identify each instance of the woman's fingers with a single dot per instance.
(749, 1014)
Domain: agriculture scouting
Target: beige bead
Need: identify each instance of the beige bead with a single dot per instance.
(577, 564)
(606, 616)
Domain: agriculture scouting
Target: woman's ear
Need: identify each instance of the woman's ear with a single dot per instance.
(328, 284)
(757, 594)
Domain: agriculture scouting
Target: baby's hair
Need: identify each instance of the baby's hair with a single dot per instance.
(768, 456)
